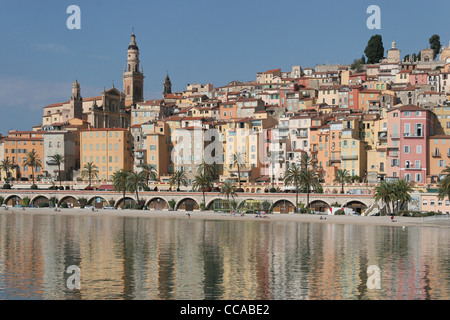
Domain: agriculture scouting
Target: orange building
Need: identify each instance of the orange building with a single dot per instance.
(108, 149)
(16, 146)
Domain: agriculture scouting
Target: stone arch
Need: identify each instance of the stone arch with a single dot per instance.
(157, 203)
(124, 201)
(69, 200)
(357, 206)
(219, 204)
(319, 206)
(38, 200)
(98, 202)
(187, 204)
(258, 190)
(283, 206)
(13, 200)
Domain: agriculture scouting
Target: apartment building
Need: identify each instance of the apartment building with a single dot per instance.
(108, 149)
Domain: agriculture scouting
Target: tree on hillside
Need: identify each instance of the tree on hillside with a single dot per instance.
(435, 44)
(375, 49)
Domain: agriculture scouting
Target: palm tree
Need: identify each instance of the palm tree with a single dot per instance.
(135, 181)
(310, 181)
(202, 182)
(6, 165)
(293, 176)
(178, 178)
(238, 159)
(309, 177)
(208, 169)
(120, 179)
(149, 172)
(444, 184)
(342, 177)
(402, 192)
(58, 159)
(32, 160)
(228, 189)
(384, 192)
(89, 172)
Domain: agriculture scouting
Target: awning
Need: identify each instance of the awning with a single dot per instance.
(263, 179)
(106, 187)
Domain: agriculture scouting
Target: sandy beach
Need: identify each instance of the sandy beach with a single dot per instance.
(210, 215)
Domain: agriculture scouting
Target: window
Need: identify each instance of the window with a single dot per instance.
(441, 163)
(419, 149)
(406, 149)
(407, 113)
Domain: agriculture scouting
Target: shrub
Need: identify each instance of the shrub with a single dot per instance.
(6, 186)
(64, 205)
(172, 204)
(335, 205)
(82, 202)
(202, 206)
(34, 187)
(273, 190)
(60, 188)
(26, 201)
(339, 212)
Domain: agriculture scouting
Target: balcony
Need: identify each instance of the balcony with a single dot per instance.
(139, 164)
(349, 157)
(412, 135)
(382, 135)
(437, 154)
(335, 160)
(139, 155)
(50, 161)
(301, 134)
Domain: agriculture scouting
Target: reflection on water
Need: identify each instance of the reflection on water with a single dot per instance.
(152, 258)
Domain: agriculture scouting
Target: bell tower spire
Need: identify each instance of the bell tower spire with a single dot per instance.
(133, 79)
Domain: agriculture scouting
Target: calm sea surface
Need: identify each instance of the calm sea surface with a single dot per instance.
(154, 258)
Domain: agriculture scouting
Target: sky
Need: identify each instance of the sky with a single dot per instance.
(195, 41)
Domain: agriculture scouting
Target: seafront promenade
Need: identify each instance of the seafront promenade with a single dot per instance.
(402, 222)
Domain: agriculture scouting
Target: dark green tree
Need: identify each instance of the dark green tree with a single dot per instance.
(435, 44)
(375, 49)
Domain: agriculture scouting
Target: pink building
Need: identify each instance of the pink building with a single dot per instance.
(409, 128)
(418, 78)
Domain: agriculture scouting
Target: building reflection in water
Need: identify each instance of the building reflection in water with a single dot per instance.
(152, 258)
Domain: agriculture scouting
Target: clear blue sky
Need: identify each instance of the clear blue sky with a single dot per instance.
(196, 41)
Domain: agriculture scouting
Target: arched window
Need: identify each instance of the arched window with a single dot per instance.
(129, 67)
(128, 90)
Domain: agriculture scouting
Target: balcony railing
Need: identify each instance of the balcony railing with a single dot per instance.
(412, 135)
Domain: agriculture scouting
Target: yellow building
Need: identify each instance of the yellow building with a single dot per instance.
(374, 133)
(442, 125)
(353, 153)
(108, 149)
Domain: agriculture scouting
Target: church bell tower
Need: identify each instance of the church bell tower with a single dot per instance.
(133, 78)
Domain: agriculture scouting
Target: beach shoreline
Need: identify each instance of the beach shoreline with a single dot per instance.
(210, 215)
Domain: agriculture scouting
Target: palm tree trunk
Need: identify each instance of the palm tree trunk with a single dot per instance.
(239, 176)
(342, 191)
(307, 197)
(296, 199)
(204, 199)
(59, 174)
(32, 173)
